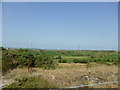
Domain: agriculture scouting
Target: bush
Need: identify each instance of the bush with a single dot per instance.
(64, 61)
(49, 63)
(24, 57)
(80, 60)
(92, 57)
(59, 57)
(45, 62)
(60, 61)
(76, 61)
(84, 61)
(6, 65)
(97, 59)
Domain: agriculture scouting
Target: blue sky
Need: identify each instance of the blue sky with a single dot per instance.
(60, 25)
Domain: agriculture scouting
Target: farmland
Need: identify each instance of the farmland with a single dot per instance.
(59, 68)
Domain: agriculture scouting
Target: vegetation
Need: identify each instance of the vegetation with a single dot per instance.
(67, 75)
(80, 61)
(31, 82)
(49, 60)
(22, 57)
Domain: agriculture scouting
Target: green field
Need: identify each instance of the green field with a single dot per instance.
(73, 57)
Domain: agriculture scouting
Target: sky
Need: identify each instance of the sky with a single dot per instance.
(60, 0)
(63, 25)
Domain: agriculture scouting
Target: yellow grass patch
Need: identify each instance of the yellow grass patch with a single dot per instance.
(66, 75)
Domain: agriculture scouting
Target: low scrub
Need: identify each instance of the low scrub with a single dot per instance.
(62, 61)
(31, 82)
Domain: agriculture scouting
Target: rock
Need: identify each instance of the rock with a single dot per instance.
(53, 77)
(86, 77)
(94, 79)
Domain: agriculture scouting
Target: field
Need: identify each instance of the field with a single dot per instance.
(63, 68)
(67, 75)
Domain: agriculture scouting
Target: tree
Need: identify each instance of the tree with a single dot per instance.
(30, 61)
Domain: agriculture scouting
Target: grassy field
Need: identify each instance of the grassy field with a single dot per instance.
(67, 75)
(73, 57)
(59, 68)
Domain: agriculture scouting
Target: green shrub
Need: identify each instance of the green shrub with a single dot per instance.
(64, 61)
(45, 62)
(80, 60)
(23, 58)
(60, 61)
(58, 57)
(49, 63)
(92, 57)
(76, 61)
(83, 61)
(6, 65)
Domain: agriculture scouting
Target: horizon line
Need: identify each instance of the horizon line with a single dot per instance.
(59, 49)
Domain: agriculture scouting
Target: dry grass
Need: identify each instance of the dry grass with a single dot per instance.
(67, 75)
